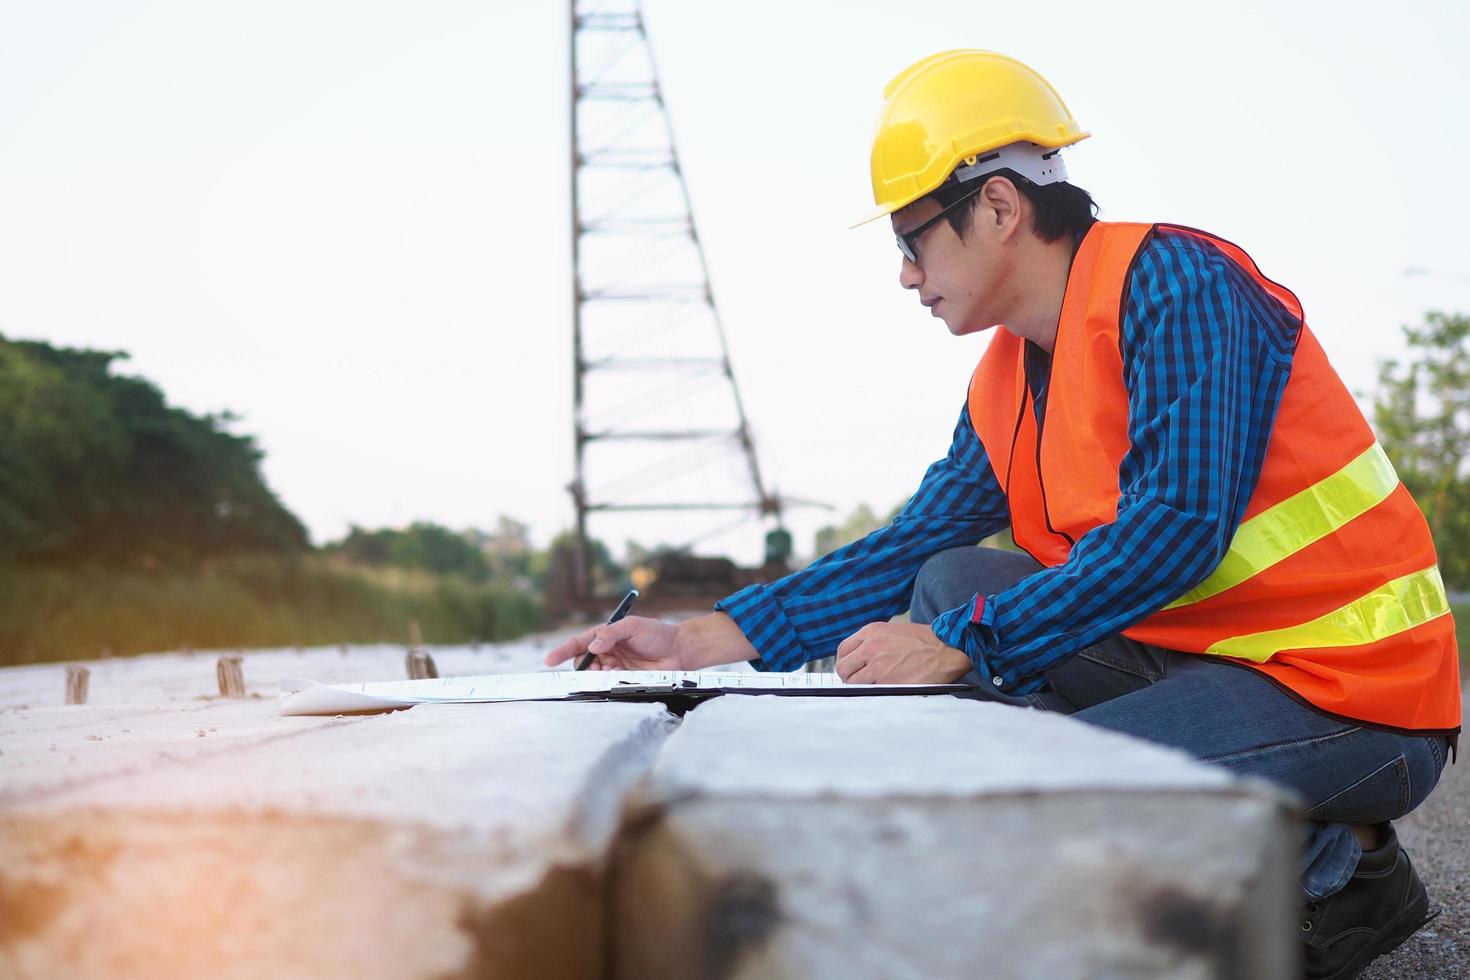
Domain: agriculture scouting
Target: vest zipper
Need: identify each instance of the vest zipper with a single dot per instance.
(1045, 509)
(1040, 481)
(1011, 468)
(1015, 434)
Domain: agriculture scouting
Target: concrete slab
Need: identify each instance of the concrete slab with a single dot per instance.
(920, 837)
(178, 678)
(161, 830)
(192, 836)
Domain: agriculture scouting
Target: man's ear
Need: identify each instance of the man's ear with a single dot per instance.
(1002, 207)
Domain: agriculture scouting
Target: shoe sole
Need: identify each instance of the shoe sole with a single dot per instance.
(1398, 930)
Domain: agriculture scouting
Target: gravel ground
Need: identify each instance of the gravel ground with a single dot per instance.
(1437, 837)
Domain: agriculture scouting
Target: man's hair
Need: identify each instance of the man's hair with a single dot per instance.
(1057, 210)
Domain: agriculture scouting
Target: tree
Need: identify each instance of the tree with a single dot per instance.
(365, 547)
(608, 576)
(97, 466)
(437, 549)
(422, 545)
(859, 524)
(507, 550)
(58, 442)
(1422, 414)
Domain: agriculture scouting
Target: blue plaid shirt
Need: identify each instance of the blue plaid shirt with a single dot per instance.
(1206, 355)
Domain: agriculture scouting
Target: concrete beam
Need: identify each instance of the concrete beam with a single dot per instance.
(922, 837)
(221, 840)
(160, 830)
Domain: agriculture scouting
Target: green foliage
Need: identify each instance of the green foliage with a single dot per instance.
(96, 467)
(859, 524)
(509, 553)
(129, 525)
(425, 546)
(1004, 540)
(1422, 415)
(54, 613)
(608, 576)
(504, 556)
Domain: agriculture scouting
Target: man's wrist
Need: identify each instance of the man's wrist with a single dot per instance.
(712, 640)
(954, 662)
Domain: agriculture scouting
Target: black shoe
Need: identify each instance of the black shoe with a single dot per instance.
(1383, 904)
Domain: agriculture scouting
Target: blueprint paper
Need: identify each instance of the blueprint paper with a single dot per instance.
(306, 697)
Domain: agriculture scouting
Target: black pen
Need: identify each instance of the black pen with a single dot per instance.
(618, 613)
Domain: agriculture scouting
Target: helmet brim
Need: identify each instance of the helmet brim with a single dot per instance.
(880, 213)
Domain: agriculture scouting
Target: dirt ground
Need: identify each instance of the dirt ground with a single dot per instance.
(1437, 837)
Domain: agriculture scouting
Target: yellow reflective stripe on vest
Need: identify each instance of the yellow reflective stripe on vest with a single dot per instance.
(1279, 532)
(1386, 611)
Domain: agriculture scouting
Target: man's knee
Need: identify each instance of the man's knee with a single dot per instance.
(951, 577)
(941, 572)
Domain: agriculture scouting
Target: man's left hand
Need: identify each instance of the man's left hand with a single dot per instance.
(899, 653)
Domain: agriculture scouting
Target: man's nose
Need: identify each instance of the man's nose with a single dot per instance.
(910, 276)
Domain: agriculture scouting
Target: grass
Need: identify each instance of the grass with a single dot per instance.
(49, 614)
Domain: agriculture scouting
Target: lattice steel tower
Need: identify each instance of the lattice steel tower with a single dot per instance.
(661, 435)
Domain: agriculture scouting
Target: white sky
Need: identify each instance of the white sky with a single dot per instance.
(347, 222)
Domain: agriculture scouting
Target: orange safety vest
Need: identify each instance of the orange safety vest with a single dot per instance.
(1330, 586)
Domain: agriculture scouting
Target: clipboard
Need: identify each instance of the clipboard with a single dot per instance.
(679, 690)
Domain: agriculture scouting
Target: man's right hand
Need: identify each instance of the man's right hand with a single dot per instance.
(632, 643)
(640, 643)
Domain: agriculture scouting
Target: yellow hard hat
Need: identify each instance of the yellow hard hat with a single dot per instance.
(957, 107)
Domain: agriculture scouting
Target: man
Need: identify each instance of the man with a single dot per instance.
(1217, 554)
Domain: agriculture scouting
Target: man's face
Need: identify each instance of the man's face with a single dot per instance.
(961, 281)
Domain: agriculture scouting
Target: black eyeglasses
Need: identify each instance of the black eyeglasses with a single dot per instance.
(908, 242)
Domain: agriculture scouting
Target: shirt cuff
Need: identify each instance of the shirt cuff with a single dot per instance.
(971, 629)
(764, 623)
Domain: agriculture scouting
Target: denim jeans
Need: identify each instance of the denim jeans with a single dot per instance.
(1218, 712)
